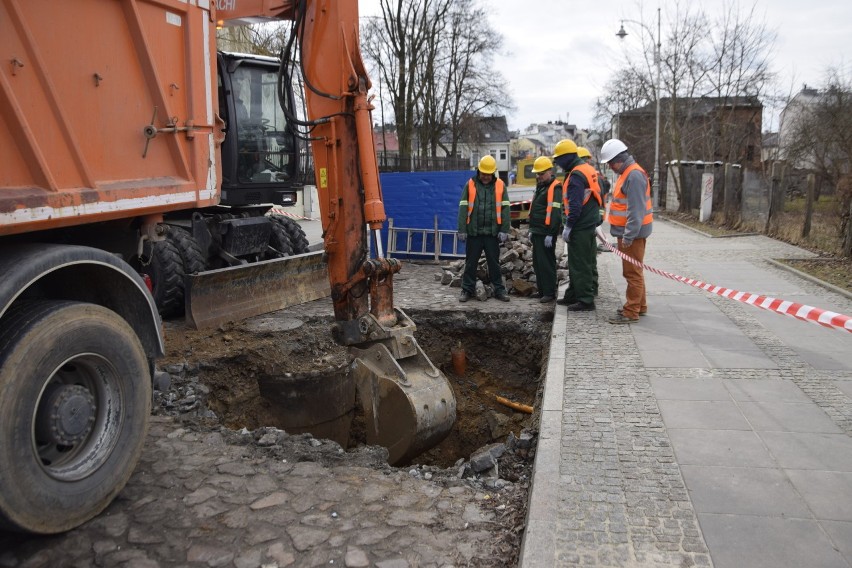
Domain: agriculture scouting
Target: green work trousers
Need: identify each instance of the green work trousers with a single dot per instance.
(544, 265)
(582, 267)
(474, 246)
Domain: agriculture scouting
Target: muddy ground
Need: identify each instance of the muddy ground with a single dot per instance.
(212, 412)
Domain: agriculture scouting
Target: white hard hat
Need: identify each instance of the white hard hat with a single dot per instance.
(612, 148)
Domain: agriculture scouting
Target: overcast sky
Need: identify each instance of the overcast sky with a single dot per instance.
(560, 53)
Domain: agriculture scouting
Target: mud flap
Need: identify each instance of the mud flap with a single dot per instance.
(408, 404)
(238, 292)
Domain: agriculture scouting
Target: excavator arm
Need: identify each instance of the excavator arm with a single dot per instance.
(408, 403)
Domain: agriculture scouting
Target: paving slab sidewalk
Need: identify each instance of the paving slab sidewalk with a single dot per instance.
(710, 433)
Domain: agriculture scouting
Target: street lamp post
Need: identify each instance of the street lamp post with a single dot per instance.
(655, 188)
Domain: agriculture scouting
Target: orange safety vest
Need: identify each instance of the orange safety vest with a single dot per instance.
(471, 195)
(591, 175)
(618, 206)
(550, 200)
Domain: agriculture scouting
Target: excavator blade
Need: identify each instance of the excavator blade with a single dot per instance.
(238, 292)
(408, 404)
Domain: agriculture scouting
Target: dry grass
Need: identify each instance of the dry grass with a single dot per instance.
(824, 238)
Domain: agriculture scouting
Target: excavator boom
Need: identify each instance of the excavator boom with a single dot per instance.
(409, 403)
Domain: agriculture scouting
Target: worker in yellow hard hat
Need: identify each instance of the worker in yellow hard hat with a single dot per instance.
(484, 222)
(581, 204)
(545, 222)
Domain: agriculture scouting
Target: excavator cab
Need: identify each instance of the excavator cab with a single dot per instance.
(260, 153)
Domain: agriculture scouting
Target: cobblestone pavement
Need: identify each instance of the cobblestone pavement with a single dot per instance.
(203, 495)
(607, 489)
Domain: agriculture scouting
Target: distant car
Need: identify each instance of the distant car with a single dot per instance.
(520, 198)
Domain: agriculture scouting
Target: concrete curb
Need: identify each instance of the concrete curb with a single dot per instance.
(708, 235)
(537, 547)
(810, 278)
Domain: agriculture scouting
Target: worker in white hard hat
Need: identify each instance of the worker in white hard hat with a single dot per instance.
(631, 221)
(484, 223)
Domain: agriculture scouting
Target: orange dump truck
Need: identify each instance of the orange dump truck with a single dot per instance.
(137, 170)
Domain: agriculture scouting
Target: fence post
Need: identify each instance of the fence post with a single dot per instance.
(775, 200)
(437, 241)
(809, 205)
(391, 238)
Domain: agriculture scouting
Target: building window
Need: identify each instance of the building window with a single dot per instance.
(502, 154)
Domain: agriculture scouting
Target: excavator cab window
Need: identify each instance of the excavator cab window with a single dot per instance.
(259, 156)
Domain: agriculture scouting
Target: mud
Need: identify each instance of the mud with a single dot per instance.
(219, 485)
(224, 371)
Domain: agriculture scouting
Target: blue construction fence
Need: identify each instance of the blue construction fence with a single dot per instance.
(414, 199)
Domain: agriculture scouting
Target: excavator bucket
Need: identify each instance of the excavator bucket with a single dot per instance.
(238, 292)
(408, 404)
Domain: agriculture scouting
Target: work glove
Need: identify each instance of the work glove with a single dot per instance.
(625, 244)
(566, 234)
(548, 241)
(503, 236)
(462, 237)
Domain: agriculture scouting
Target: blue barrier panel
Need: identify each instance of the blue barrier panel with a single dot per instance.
(413, 199)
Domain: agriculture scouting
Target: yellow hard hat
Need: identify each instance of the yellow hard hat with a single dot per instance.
(583, 152)
(564, 146)
(541, 164)
(487, 165)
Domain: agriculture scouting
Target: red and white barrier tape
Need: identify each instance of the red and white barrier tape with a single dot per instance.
(278, 211)
(799, 311)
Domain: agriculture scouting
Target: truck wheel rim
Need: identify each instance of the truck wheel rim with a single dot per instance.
(77, 417)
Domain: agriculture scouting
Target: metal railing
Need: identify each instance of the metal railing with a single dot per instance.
(421, 164)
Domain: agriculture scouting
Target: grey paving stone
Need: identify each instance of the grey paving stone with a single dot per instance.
(731, 448)
(711, 415)
(765, 390)
(827, 493)
(739, 541)
(841, 534)
(671, 388)
(737, 358)
(680, 358)
(743, 491)
(788, 417)
(795, 450)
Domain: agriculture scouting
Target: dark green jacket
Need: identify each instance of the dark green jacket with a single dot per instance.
(538, 210)
(483, 218)
(589, 215)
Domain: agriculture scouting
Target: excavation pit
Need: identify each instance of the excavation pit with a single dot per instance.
(287, 372)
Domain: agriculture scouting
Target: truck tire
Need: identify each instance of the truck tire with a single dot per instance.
(166, 271)
(298, 240)
(279, 241)
(189, 250)
(75, 395)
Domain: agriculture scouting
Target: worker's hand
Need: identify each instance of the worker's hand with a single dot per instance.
(624, 244)
(503, 236)
(566, 234)
(462, 237)
(548, 241)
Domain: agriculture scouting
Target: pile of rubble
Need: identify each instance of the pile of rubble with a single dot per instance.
(515, 264)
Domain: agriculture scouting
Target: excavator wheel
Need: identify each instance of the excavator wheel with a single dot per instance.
(189, 250)
(166, 270)
(295, 233)
(279, 242)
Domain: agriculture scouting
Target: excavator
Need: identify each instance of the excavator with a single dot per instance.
(112, 136)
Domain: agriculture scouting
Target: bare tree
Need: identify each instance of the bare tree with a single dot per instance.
(711, 67)
(435, 57)
(821, 140)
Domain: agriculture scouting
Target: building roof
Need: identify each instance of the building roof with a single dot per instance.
(701, 105)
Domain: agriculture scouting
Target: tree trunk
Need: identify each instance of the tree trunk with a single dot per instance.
(847, 244)
(809, 206)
